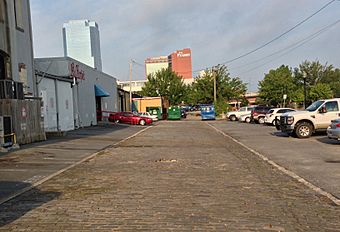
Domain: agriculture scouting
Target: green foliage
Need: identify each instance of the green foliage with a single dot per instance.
(166, 84)
(221, 106)
(316, 73)
(227, 88)
(320, 91)
(275, 84)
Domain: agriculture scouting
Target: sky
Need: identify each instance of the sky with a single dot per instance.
(216, 31)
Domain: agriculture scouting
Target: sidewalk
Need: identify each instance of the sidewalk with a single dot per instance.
(34, 163)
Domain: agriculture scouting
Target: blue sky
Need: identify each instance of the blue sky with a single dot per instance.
(215, 30)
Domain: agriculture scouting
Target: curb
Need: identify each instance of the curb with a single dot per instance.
(293, 175)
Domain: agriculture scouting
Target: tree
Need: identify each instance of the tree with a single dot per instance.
(275, 84)
(316, 73)
(167, 84)
(227, 88)
(320, 91)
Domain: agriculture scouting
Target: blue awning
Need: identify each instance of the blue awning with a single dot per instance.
(100, 92)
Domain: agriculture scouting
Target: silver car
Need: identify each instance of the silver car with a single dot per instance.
(245, 118)
(333, 131)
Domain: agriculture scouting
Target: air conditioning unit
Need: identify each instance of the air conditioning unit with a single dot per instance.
(6, 132)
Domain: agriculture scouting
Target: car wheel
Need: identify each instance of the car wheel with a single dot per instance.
(142, 122)
(277, 125)
(261, 120)
(117, 121)
(275, 122)
(232, 118)
(303, 130)
(247, 120)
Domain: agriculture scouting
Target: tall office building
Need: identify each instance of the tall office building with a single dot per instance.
(155, 64)
(81, 42)
(180, 62)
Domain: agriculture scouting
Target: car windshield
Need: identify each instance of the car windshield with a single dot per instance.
(314, 106)
(242, 109)
(270, 111)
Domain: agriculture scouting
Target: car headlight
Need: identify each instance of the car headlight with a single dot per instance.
(290, 120)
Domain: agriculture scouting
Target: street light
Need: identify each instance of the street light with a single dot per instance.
(304, 89)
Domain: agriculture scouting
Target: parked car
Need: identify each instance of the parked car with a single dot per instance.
(316, 117)
(333, 131)
(234, 115)
(148, 115)
(129, 117)
(245, 118)
(183, 113)
(258, 114)
(272, 116)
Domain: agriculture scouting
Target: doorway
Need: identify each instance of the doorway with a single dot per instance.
(99, 108)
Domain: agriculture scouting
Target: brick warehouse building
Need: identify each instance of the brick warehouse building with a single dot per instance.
(180, 62)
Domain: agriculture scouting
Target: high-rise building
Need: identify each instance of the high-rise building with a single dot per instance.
(155, 64)
(81, 42)
(180, 62)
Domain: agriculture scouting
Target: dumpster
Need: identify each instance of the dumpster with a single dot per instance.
(208, 112)
(174, 113)
(155, 111)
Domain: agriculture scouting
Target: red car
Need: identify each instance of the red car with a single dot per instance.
(129, 117)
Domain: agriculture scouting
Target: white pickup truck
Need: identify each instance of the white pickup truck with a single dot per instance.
(317, 116)
(234, 115)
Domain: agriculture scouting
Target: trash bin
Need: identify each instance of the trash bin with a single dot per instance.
(155, 111)
(174, 113)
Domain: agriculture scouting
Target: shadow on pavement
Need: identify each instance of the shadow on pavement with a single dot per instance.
(326, 140)
(19, 206)
(280, 134)
(86, 132)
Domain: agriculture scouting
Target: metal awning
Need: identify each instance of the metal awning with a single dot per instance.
(100, 92)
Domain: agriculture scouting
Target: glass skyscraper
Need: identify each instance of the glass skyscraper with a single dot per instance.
(81, 42)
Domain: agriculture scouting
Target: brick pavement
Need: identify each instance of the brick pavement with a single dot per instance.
(177, 176)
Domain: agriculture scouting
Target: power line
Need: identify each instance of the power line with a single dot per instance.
(297, 45)
(308, 38)
(279, 36)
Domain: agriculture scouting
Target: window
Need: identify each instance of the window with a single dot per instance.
(19, 14)
(332, 106)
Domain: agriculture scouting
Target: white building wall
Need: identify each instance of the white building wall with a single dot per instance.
(57, 106)
(83, 90)
(65, 106)
(49, 108)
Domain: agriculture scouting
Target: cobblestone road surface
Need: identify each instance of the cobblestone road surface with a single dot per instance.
(176, 176)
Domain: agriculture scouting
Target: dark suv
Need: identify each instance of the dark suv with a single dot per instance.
(259, 113)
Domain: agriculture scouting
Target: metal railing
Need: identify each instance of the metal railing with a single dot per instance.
(8, 140)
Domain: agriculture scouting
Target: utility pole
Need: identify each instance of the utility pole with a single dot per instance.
(131, 84)
(214, 76)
